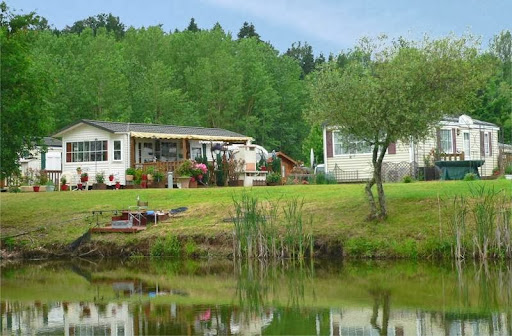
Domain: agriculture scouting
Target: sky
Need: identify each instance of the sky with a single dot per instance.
(329, 26)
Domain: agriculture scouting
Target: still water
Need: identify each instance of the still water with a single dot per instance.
(169, 297)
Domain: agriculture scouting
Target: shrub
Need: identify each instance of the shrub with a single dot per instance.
(100, 177)
(166, 247)
(322, 178)
(508, 169)
(274, 178)
(130, 171)
(470, 177)
(407, 179)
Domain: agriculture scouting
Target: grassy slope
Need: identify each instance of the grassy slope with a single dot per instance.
(338, 211)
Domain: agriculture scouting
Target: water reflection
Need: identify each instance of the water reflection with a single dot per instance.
(143, 297)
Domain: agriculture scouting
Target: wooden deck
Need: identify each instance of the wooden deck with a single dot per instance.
(110, 229)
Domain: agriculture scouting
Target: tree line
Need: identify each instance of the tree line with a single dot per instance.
(99, 69)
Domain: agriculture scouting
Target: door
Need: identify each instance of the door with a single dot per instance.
(466, 146)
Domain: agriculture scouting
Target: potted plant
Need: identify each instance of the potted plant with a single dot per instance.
(150, 172)
(130, 173)
(79, 170)
(63, 185)
(50, 186)
(158, 179)
(84, 177)
(100, 181)
(111, 177)
(36, 186)
(185, 172)
(43, 179)
(508, 172)
(118, 185)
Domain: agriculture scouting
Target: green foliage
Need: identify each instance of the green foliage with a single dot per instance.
(9, 243)
(508, 169)
(166, 247)
(191, 249)
(314, 140)
(25, 116)
(100, 177)
(322, 178)
(273, 178)
(130, 171)
(470, 177)
(275, 165)
(387, 91)
(407, 179)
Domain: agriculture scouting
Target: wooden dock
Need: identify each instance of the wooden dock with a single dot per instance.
(110, 229)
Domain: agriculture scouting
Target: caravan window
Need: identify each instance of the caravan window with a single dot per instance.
(349, 145)
(446, 141)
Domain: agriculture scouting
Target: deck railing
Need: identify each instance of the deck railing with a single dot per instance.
(163, 167)
(452, 157)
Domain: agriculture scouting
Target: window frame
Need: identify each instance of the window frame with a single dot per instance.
(449, 141)
(352, 149)
(114, 150)
(487, 151)
(83, 149)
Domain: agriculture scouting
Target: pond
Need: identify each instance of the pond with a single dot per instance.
(189, 297)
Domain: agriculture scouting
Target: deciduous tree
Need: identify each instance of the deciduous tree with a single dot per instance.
(396, 90)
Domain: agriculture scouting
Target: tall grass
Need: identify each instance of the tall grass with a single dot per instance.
(270, 230)
(486, 213)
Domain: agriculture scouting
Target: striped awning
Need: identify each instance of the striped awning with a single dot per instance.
(189, 137)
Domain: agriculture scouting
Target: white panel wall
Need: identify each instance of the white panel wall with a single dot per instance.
(363, 162)
(89, 133)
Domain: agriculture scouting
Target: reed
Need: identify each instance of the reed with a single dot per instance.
(487, 215)
(270, 230)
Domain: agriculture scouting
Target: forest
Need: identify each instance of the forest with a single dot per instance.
(98, 68)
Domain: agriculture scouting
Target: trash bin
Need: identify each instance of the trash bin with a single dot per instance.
(170, 180)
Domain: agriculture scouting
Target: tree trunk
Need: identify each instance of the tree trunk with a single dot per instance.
(383, 212)
(369, 193)
(373, 208)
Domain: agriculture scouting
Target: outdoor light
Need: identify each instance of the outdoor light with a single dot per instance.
(217, 148)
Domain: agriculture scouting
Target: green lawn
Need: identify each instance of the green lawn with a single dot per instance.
(338, 213)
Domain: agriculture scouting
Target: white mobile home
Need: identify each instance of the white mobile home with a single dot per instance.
(112, 147)
(456, 138)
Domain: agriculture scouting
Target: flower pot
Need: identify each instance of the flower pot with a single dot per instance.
(79, 186)
(64, 187)
(118, 185)
(36, 188)
(111, 178)
(144, 184)
(144, 177)
(50, 188)
(150, 177)
(129, 178)
(185, 181)
(100, 186)
(192, 184)
(84, 179)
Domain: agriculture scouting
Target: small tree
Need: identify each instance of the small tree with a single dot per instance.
(396, 91)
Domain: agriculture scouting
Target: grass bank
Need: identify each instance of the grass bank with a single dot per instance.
(418, 224)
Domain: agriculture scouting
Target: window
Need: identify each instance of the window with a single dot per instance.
(349, 145)
(486, 144)
(117, 150)
(446, 141)
(196, 152)
(86, 151)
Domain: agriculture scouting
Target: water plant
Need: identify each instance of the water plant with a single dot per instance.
(267, 230)
(490, 212)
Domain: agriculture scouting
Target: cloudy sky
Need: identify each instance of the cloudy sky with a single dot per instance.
(328, 25)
